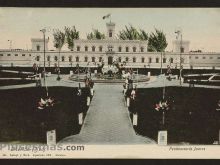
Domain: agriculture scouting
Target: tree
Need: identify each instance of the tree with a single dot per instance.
(157, 41)
(131, 33)
(95, 35)
(143, 35)
(59, 40)
(71, 35)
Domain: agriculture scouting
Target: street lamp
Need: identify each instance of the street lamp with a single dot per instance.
(44, 31)
(179, 33)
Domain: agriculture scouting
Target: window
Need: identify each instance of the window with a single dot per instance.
(1, 54)
(150, 60)
(78, 48)
(9, 55)
(171, 60)
(63, 58)
(48, 58)
(157, 60)
(38, 58)
(210, 57)
(126, 59)
(119, 49)
(86, 48)
(77, 59)
(142, 59)
(182, 50)
(203, 57)
(196, 57)
(134, 49)
(38, 47)
(30, 55)
(100, 59)
(164, 60)
(55, 58)
(16, 54)
(93, 48)
(110, 33)
(86, 59)
(218, 57)
(23, 54)
(142, 49)
(134, 59)
(127, 49)
(93, 59)
(70, 58)
(100, 48)
(119, 59)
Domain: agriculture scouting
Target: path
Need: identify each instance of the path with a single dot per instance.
(107, 120)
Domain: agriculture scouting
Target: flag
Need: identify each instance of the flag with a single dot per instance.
(106, 16)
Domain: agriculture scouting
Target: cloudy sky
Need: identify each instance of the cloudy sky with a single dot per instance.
(201, 26)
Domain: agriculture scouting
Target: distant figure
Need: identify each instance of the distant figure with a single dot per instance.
(91, 83)
(86, 82)
(130, 83)
(38, 80)
(35, 68)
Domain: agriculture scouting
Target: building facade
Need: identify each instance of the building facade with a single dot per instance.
(90, 53)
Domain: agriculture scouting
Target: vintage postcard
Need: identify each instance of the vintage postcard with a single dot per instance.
(109, 83)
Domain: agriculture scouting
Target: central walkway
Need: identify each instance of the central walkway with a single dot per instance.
(107, 120)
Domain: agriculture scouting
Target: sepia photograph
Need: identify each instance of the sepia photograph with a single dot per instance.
(95, 82)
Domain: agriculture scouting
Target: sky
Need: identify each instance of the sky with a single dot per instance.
(201, 26)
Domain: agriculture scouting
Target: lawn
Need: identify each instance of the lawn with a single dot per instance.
(192, 116)
(20, 120)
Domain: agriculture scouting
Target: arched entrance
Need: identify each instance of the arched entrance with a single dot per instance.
(110, 60)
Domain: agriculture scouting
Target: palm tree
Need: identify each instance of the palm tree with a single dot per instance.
(59, 40)
(95, 35)
(131, 33)
(71, 34)
(157, 41)
(143, 35)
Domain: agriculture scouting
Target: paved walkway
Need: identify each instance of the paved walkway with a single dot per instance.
(107, 120)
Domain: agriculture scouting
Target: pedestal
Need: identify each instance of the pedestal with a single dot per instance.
(128, 101)
(51, 137)
(88, 101)
(162, 138)
(80, 117)
(135, 119)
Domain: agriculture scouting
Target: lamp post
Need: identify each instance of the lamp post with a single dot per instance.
(161, 58)
(10, 44)
(179, 33)
(44, 31)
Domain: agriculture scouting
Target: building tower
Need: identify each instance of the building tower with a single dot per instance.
(38, 44)
(110, 30)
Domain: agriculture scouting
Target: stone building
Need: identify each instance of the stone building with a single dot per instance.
(90, 53)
